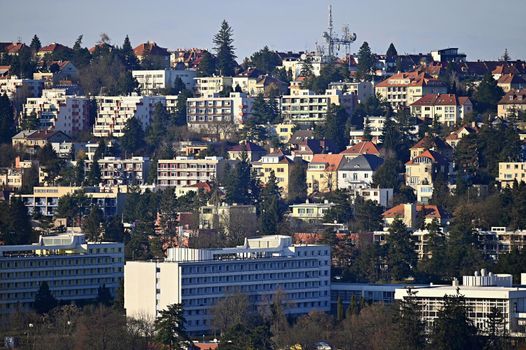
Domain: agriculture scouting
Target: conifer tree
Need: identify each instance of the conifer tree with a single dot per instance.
(35, 44)
(226, 58)
(269, 206)
(44, 300)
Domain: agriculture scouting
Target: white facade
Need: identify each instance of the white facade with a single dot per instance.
(481, 293)
(151, 82)
(56, 110)
(184, 171)
(117, 171)
(304, 106)
(73, 268)
(260, 268)
(19, 89)
(295, 65)
(310, 212)
(362, 89)
(208, 86)
(113, 112)
(381, 196)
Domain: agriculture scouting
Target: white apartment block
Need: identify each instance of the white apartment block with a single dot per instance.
(304, 106)
(59, 111)
(113, 112)
(508, 239)
(184, 171)
(117, 171)
(199, 278)
(295, 65)
(44, 200)
(207, 86)
(482, 292)
(73, 268)
(447, 109)
(362, 89)
(208, 113)
(18, 90)
(152, 82)
(403, 89)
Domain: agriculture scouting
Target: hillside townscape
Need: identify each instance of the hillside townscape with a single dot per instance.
(333, 198)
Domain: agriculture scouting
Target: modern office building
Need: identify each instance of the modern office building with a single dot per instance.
(73, 268)
(198, 278)
(482, 292)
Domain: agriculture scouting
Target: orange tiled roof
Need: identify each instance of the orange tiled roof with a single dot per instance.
(151, 48)
(332, 161)
(363, 147)
(415, 78)
(430, 211)
(440, 100)
(514, 97)
(434, 156)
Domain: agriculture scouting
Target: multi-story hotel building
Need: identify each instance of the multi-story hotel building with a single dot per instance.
(304, 106)
(199, 278)
(154, 82)
(184, 171)
(44, 200)
(59, 111)
(482, 292)
(113, 112)
(73, 268)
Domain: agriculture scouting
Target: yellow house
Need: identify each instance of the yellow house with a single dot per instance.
(422, 169)
(283, 131)
(322, 173)
(278, 163)
(511, 103)
(510, 172)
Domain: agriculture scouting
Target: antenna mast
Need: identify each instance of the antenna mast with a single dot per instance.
(332, 40)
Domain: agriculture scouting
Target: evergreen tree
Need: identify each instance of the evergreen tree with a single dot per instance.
(104, 296)
(351, 310)
(452, 329)
(133, 139)
(410, 328)
(365, 61)
(497, 338)
(20, 222)
(265, 60)
(80, 172)
(487, 95)
(114, 230)
(7, 121)
(226, 58)
(35, 44)
(91, 225)
(298, 181)
(401, 255)
(334, 127)
(387, 175)
(367, 215)
(269, 215)
(180, 115)
(81, 55)
(339, 309)
(341, 212)
(306, 68)
(506, 56)
(130, 60)
(207, 66)
(391, 52)
(237, 184)
(44, 300)
(170, 327)
(157, 129)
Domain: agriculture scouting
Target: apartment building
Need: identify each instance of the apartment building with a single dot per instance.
(305, 107)
(184, 171)
(508, 240)
(322, 173)
(229, 218)
(509, 172)
(18, 90)
(295, 64)
(59, 111)
(403, 89)
(33, 140)
(44, 200)
(380, 196)
(155, 82)
(113, 112)
(217, 115)
(280, 165)
(199, 278)
(117, 171)
(482, 292)
(310, 212)
(73, 268)
(513, 102)
(447, 109)
(207, 86)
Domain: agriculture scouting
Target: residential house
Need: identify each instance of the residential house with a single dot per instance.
(308, 148)
(362, 89)
(456, 135)
(432, 143)
(159, 55)
(358, 172)
(360, 148)
(512, 103)
(508, 82)
(322, 173)
(33, 140)
(447, 109)
(231, 219)
(209, 86)
(421, 171)
(414, 215)
(280, 165)
(511, 172)
(310, 212)
(253, 151)
(117, 171)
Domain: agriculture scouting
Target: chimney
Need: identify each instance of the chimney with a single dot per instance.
(410, 214)
(17, 162)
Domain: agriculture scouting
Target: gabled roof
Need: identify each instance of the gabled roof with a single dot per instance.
(514, 97)
(505, 69)
(441, 100)
(249, 73)
(511, 79)
(414, 78)
(332, 161)
(364, 162)
(313, 146)
(434, 156)
(53, 47)
(150, 48)
(430, 142)
(46, 135)
(300, 136)
(429, 211)
(14, 48)
(362, 147)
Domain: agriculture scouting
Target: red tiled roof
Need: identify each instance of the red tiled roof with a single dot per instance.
(511, 79)
(52, 48)
(247, 147)
(363, 147)
(410, 79)
(332, 161)
(440, 100)
(430, 211)
(14, 48)
(429, 142)
(150, 48)
(514, 97)
(434, 156)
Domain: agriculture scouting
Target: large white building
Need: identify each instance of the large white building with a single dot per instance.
(153, 82)
(362, 89)
(59, 111)
(199, 278)
(213, 114)
(73, 268)
(304, 106)
(184, 171)
(447, 109)
(207, 86)
(482, 292)
(113, 112)
(117, 171)
(19, 89)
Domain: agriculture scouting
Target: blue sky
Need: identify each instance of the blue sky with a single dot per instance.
(480, 28)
